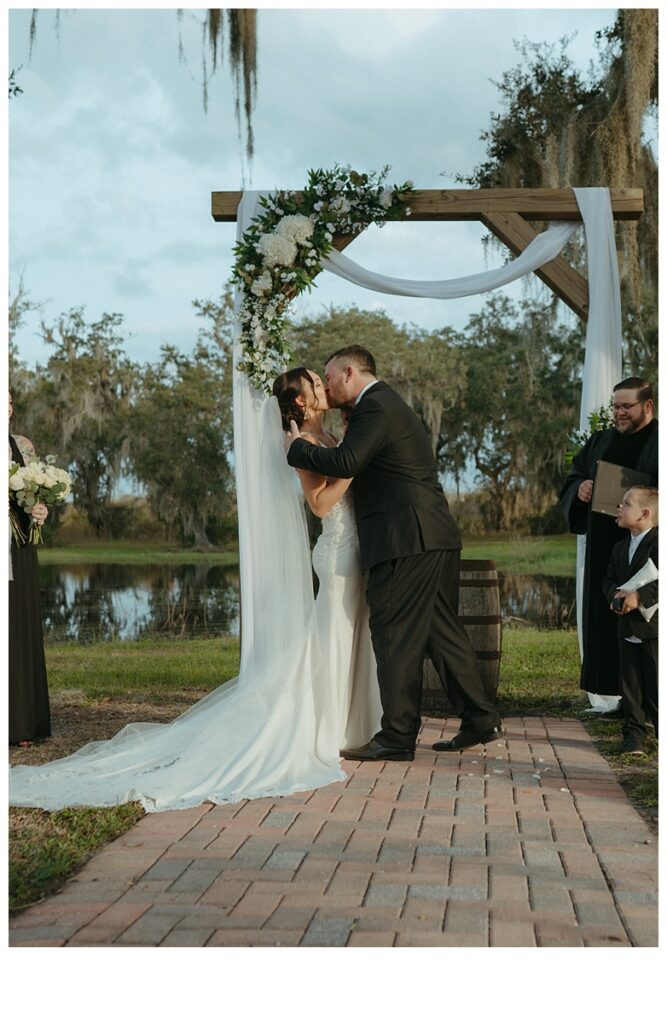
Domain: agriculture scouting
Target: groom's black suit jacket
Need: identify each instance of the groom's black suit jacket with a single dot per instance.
(399, 504)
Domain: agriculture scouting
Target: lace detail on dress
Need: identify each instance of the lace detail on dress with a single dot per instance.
(339, 525)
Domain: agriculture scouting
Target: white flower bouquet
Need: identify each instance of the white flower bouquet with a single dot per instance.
(37, 483)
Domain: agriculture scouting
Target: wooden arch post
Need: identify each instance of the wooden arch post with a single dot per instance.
(507, 213)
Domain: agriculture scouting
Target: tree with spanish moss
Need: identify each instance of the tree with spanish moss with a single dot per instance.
(559, 128)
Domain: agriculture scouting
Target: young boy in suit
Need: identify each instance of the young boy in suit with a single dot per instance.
(637, 635)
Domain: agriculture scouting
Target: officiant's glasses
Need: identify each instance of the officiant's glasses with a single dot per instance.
(625, 406)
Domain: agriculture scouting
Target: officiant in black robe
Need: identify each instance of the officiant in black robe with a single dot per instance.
(631, 442)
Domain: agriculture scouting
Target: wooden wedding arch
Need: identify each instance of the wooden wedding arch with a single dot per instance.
(507, 213)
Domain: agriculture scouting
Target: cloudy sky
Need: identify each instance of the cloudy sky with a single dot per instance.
(113, 159)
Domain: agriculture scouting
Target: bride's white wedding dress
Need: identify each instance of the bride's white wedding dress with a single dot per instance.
(276, 729)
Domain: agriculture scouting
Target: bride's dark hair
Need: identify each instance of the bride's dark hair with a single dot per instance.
(287, 388)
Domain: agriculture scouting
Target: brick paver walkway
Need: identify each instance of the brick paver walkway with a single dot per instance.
(529, 841)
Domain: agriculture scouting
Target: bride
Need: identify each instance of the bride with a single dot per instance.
(279, 726)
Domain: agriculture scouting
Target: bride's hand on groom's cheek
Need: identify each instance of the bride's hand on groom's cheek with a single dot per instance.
(291, 434)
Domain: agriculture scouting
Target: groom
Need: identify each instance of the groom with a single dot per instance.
(410, 546)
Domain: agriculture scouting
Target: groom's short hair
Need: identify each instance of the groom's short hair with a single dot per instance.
(358, 356)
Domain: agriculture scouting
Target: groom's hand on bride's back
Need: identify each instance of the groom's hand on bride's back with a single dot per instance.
(291, 434)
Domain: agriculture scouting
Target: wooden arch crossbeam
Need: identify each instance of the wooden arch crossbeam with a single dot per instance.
(504, 211)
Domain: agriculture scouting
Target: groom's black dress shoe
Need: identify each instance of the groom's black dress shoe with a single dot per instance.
(374, 751)
(469, 739)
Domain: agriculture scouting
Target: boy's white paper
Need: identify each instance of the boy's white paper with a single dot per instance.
(645, 575)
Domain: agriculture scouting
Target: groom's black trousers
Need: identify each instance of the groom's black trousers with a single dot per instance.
(413, 605)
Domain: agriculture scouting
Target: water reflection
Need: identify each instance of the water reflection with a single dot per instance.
(125, 602)
(547, 602)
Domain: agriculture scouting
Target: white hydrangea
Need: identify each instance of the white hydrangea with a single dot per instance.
(263, 284)
(277, 250)
(295, 227)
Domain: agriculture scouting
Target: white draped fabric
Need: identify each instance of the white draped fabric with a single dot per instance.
(603, 363)
(544, 247)
(275, 573)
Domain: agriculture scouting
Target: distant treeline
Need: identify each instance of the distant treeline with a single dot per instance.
(498, 400)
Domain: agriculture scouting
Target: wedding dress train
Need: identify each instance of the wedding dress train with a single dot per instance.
(276, 729)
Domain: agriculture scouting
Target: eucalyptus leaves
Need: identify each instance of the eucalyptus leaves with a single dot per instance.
(282, 252)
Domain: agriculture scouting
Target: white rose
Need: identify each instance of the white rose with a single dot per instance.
(17, 481)
(35, 474)
(386, 198)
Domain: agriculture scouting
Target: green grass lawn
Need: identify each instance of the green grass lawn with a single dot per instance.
(153, 670)
(551, 556)
(156, 678)
(526, 556)
(126, 553)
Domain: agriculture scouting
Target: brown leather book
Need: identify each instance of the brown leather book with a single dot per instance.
(610, 484)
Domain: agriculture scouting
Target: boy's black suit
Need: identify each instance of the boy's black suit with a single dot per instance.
(619, 570)
(411, 546)
(638, 663)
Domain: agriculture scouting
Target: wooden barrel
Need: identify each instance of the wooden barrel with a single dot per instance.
(479, 611)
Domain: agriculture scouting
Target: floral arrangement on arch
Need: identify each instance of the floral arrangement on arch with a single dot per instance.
(282, 251)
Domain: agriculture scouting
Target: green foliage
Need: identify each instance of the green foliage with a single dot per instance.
(502, 395)
(522, 391)
(77, 406)
(599, 419)
(47, 848)
(559, 128)
(180, 428)
(540, 96)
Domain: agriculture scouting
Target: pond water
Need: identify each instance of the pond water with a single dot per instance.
(125, 602)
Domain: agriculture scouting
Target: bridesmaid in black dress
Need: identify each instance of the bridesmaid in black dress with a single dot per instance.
(29, 716)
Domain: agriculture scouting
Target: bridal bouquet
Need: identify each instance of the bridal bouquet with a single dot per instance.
(39, 482)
